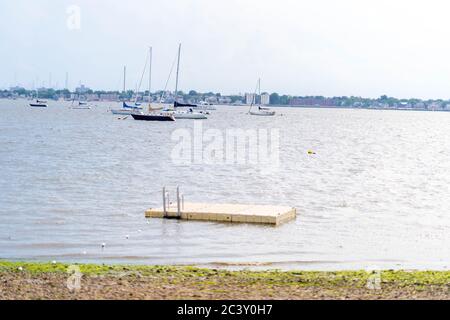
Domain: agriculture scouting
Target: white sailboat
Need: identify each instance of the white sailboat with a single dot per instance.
(261, 111)
(38, 103)
(80, 105)
(190, 113)
(126, 110)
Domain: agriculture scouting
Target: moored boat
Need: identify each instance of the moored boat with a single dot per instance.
(153, 117)
(80, 106)
(261, 111)
(38, 104)
(189, 114)
(125, 112)
(135, 107)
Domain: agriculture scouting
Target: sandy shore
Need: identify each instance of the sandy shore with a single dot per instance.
(59, 281)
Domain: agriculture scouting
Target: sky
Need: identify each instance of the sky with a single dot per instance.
(322, 47)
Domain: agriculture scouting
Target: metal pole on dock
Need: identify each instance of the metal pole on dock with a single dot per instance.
(164, 202)
(168, 201)
(178, 202)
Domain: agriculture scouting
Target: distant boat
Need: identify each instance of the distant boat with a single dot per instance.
(152, 115)
(150, 108)
(80, 105)
(205, 106)
(125, 112)
(38, 103)
(261, 111)
(191, 114)
(126, 106)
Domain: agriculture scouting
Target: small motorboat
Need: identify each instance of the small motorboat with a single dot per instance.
(39, 104)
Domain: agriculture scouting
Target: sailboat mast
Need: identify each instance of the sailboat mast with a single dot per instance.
(150, 76)
(178, 69)
(259, 90)
(124, 77)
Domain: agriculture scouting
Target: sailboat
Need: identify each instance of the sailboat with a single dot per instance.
(190, 113)
(136, 105)
(38, 103)
(81, 105)
(152, 115)
(126, 109)
(261, 111)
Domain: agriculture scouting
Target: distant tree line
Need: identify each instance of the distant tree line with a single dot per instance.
(275, 98)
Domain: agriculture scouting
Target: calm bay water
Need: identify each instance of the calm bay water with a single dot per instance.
(376, 193)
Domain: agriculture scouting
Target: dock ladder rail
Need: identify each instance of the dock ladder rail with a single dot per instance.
(166, 203)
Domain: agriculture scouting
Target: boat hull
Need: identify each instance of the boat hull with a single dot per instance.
(124, 112)
(262, 113)
(153, 117)
(38, 105)
(197, 116)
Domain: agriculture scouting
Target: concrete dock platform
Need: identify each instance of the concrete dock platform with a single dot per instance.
(263, 214)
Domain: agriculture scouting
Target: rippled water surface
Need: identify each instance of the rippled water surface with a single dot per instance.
(376, 193)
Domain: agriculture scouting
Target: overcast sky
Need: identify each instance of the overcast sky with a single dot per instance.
(321, 47)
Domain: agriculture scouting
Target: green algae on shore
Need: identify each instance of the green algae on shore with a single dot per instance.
(52, 281)
(337, 278)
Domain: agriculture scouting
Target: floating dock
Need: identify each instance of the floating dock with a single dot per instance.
(274, 215)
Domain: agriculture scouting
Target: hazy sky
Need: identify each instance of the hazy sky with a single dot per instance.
(321, 47)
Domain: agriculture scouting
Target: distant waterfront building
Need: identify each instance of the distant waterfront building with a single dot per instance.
(225, 100)
(250, 98)
(16, 88)
(265, 98)
(109, 96)
(212, 99)
(419, 105)
(82, 89)
(92, 97)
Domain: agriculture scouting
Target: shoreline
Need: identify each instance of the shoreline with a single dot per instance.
(56, 281)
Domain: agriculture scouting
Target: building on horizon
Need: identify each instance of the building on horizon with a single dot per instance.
(109, 96)
(265, 98)
(82, 89)
(250, 98)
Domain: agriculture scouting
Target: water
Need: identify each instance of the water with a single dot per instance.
(376, 193)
